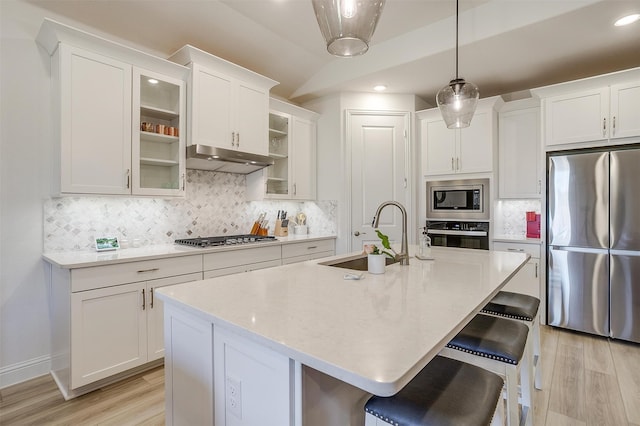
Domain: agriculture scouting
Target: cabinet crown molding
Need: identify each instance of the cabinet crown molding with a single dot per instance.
(589, 83)
(189, 54)
(52, 33)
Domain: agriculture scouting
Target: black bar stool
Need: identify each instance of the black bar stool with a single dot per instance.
(523, 308)
(499, 345)
(445, 392)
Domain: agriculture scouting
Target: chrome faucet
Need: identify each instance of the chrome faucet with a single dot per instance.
(403, 256)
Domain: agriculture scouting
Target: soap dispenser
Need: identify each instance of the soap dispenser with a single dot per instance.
(424, 251)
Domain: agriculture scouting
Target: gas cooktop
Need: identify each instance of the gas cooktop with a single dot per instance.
(225, 240)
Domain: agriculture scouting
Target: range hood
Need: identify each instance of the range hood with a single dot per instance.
(204, 157)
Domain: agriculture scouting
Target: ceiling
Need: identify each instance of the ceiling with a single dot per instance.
(506, 46)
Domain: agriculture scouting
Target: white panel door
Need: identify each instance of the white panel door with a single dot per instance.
(108, 332)
(519, 154)
(211, 99)
(155, 317)
(252, 119)
(303, 163)
(438, 147)
(379, 172)
(95, 123)
(578, 117)
(625, 110)
(475, 152)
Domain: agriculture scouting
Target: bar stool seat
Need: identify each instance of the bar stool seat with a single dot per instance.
(513, 305)
(445, 392)
(523, 308)
(499, 345)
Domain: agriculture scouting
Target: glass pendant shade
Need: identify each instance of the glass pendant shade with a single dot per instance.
(347, 25)
(457, 102)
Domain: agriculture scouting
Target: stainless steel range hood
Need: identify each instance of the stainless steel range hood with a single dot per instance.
(204, 157)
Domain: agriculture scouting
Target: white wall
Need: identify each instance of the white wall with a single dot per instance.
(25, 170)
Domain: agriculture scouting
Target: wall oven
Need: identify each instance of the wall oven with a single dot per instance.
(473, 235)
(458, 200)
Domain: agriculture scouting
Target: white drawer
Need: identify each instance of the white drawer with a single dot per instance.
(531, 249)
(242, 268)
(307, 247)
(305, 257)
(244, 256)
(105, 276)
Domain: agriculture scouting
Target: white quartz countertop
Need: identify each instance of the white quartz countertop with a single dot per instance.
(85, 259)
(376, 333)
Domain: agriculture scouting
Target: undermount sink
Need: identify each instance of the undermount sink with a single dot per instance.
(358, 263)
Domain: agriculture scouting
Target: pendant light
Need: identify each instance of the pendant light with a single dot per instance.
(458, 99)
(347, 25)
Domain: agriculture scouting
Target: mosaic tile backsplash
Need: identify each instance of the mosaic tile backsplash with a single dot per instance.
(215, 204)
(509, 217)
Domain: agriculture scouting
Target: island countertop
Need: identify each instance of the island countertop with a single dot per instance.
(376, 333)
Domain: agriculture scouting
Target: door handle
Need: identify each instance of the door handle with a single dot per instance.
(143, 300)
(151, 294)
(358, 233)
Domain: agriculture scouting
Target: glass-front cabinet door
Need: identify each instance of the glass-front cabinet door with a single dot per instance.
(278, 174)
(158, 140)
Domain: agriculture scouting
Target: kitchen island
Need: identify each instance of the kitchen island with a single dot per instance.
(300, 345)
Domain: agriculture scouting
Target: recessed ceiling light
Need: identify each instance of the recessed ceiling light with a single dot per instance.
(626, 20)
(153, 81)
(380, 88)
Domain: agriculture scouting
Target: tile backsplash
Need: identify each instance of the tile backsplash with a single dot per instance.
(510, 219)
(215, 204)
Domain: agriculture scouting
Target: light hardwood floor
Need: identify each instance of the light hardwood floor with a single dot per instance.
(587, 381)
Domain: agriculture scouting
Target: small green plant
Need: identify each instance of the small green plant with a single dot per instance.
(385, 243)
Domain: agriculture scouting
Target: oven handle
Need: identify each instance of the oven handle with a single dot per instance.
(454, 232)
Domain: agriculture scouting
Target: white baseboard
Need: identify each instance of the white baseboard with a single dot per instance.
(23, 371)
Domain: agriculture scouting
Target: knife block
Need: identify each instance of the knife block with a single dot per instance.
(281, 231)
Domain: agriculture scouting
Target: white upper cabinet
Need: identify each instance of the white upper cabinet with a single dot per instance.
(292, 146)
(228, 105)
(519, 153)
(454, 151)
(94, 120)
(303, 163)
(158, 136)
(625, 110)
(611, 112)
(577, 117)
(101, 98)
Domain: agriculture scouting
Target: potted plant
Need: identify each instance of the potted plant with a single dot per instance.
(376, 256)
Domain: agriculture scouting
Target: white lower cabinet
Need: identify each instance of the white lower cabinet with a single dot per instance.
(107, 321)
(527, 280)
(215, 376)
(242, 260)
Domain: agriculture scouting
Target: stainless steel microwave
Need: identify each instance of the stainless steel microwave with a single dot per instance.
(458, 199)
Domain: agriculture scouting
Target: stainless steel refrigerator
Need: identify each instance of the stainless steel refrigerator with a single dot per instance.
(593, 253)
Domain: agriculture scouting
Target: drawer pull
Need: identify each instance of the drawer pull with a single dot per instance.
(143, 300)
(312, 247)
(513, 249)
(148, 270)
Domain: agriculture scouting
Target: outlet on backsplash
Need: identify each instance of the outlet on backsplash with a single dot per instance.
(510, 217)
